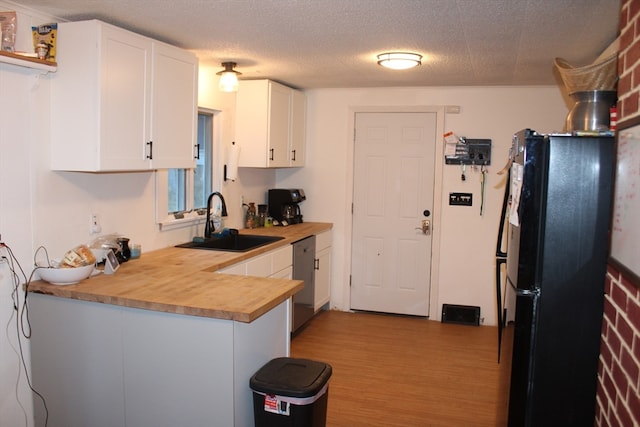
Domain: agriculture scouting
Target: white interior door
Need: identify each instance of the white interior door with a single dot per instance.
(393, 193)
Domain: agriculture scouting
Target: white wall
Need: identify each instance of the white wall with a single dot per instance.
(468, 240)
(52, 209)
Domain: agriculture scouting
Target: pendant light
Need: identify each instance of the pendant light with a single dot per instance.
(399, 60)
(228, 77)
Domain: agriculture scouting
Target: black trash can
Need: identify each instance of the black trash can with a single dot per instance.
(290, 392)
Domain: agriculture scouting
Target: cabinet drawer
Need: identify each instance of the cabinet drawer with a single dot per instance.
(240, 269)
(282, 258)
(263, 265)
(259, 266)
(323, 240)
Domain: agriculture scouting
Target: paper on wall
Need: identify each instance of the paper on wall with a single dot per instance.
(517, 173)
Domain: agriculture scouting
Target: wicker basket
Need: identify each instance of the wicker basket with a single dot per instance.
(601, 75)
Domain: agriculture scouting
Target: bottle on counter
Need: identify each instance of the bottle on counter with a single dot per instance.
(250, 221)
(262, 215)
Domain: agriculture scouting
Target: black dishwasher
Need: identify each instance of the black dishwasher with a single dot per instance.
(304, 254)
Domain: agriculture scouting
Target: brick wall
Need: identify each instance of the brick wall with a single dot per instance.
(629, 60)
(619, 370)
(618, 397)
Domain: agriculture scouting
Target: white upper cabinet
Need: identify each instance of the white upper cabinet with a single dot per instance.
(298, 128)
(121, 101)
(174, 108)
(270, 124)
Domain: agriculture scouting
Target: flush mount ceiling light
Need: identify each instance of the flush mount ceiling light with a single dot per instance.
(228, 77)
(399, 60)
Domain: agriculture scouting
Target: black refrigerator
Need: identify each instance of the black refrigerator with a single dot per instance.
(559, 216)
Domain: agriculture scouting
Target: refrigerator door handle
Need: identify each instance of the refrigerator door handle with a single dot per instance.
(527, 292)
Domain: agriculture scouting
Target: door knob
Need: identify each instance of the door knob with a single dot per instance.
(426, 227)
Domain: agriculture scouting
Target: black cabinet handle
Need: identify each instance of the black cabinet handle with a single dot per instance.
(271, 154)
(316, 264)
(197, 156)
(150, 155)
(294, 155)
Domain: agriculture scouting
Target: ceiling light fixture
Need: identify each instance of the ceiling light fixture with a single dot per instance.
(399, 60)
(228, 77)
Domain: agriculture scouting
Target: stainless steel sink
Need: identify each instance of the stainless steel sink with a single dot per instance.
(232, 243)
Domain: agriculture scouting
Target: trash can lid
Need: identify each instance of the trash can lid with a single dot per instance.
(286, 376)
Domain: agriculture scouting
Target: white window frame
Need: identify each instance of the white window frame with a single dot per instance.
(190, 217)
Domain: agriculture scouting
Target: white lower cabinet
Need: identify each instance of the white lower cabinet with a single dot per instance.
(274, 263)
(103, 365)
(322, 290)
(278, 264)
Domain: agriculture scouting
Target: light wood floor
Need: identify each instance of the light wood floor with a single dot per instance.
(403, 371)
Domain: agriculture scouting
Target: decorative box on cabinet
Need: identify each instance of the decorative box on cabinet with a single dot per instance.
(270, 124)
(121, 101)
(322, 290)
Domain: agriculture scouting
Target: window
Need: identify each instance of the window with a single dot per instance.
(181, 194)
(189, 188)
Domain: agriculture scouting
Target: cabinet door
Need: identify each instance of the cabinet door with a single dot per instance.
(260, 266)
(279, 129)
(322, 290)
(251, 122)
(124, 106)
(174, 107)
(298, 128)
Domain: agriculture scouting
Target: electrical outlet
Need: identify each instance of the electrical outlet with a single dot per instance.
(94, 224)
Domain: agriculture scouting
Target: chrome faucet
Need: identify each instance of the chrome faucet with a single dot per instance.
(208, 229)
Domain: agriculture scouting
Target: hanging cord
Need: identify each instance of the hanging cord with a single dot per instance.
(483, 179)
(23, 326)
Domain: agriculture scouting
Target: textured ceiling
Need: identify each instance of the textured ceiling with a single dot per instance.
(333, 43)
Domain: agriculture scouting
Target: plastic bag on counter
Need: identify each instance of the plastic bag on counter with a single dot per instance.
(101, 245)
(78, 257)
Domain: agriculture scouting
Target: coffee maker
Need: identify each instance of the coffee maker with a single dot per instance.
(283, 205)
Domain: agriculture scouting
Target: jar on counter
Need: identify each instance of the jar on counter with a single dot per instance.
(262, 215)
(136, 251)
(250, 221)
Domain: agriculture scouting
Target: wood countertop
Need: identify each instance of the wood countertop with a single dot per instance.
(178, 280)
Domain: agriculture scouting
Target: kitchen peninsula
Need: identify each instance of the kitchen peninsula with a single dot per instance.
(165, 341)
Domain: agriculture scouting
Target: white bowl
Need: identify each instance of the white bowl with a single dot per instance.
(65, 276)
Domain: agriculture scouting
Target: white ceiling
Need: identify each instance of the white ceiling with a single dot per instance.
(333, 43)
